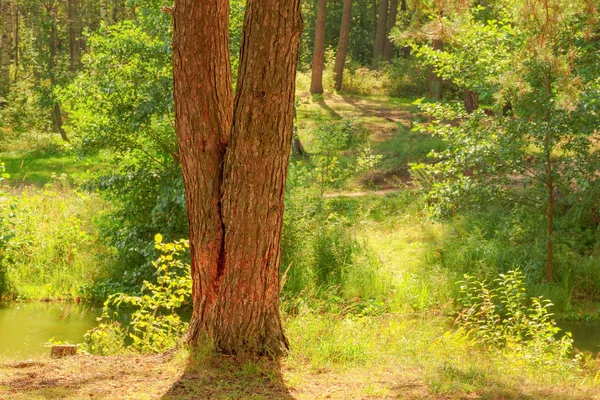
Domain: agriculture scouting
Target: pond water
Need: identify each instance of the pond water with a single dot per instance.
(26, 327)
(586, 335)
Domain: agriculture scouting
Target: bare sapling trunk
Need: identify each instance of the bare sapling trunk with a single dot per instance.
(318, 61)
(297, 147)
(549, 186)
(234, 156)
(388, 50)
(342, 49)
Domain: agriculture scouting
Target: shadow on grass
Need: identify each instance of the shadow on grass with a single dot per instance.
(321, 102)
(452, 381)
(229, 377)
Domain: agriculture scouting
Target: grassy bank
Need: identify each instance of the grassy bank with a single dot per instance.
(341, 358)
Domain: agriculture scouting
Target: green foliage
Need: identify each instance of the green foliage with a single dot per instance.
(502, 318)
(474, 58)
(155, 325)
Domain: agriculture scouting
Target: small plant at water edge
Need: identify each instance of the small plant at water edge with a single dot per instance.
(503, 318)
(155, 324)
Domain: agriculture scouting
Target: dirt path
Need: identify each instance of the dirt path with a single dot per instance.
(152, 377)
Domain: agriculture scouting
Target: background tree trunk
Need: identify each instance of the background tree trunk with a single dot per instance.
(6, 45)
(52, 70)
(16, 40)
(379, 44)
(235, 211)
(297, 147)
(471, 101)
(318, 61)
(388, 50)
(342, 49)
(435, 81)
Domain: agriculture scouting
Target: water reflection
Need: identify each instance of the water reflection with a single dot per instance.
(26, 327)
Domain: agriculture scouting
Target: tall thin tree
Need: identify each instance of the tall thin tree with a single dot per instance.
(342, 49)
(380, 33)
(388, 49)
(318, 61)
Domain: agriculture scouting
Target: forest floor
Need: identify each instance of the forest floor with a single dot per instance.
(222, 377)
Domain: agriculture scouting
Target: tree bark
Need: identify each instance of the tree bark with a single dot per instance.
(435, 81)
(342, 49)
(379, 44)
(388, 50)
(234, 156)
(471, 101)
(318, 62)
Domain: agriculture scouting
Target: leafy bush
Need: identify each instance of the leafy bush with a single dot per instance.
(503, 319)
(155, 323)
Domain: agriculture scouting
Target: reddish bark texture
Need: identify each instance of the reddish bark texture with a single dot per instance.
(234, 156)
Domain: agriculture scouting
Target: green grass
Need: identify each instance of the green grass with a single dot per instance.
(38, 168)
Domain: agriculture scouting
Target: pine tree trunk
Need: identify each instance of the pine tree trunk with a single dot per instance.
(234, 160)
(435, 81)
(379, 44)
(342, 49)
(388, 50)
(318, 61)
(471, 101)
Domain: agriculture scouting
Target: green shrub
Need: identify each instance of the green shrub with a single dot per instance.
(155, 323)
(502, 318)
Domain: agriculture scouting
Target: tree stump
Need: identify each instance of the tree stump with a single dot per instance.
(63, 350)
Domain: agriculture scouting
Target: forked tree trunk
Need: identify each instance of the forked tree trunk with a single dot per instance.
(318, 61)
(388, 50)
(471, 101)
(342, 49)
(234, 157)
(379, 44)
(435, 81)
